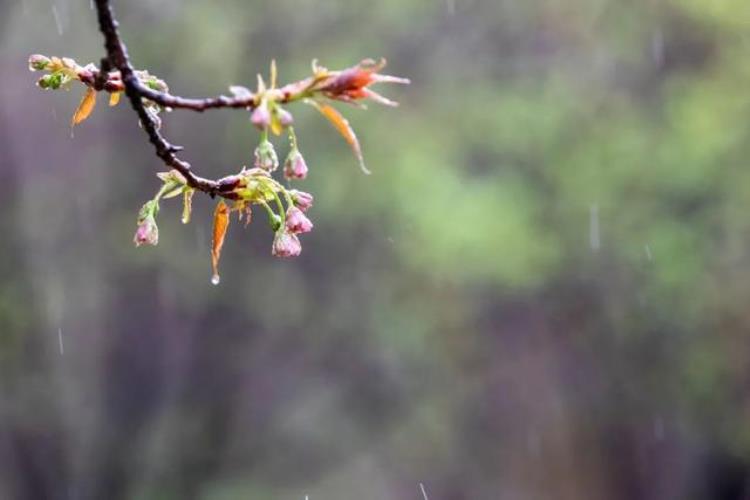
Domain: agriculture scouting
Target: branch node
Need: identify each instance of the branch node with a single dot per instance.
(100, 81)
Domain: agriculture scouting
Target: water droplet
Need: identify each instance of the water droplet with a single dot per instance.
(657, 48)
(658, 424)
(215, 279)
(450, 6)
(594, 233)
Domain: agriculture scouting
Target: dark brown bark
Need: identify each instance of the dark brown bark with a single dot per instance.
(117, 58)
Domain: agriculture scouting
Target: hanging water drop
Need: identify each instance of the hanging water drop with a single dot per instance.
(215, 279)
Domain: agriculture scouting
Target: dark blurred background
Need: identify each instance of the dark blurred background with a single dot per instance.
(540, 293)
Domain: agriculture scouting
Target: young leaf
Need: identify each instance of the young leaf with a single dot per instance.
(341, 124)
(276, 126)
(173, 193)
(273, 73)
(85, 107)
(221, 223)
(187, 204)
(114, 98)
(240, 91)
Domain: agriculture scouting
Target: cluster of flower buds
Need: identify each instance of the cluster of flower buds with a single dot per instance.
(61, 72)
(173, 184)
(285, 207)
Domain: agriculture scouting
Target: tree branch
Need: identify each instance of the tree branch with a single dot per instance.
(148, 95)
(117, 57)
(112, 82)
(116, 74)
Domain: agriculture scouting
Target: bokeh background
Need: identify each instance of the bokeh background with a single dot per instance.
(541, 292)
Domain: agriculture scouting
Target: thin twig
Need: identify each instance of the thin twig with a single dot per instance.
(112, 82)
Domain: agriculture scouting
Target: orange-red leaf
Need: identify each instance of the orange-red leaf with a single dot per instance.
(85, 107)
(341, 124)
(221, 223)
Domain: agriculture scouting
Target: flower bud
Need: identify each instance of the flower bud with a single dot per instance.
(285, 245)
(147, 232)
(261, 117)
(69, 63)
(156, 84)
(275, 221)
(285, 117)
(38, 62)
(265, 156)
(53, 81)
(295, 166)
(297, 222)
(301, 199)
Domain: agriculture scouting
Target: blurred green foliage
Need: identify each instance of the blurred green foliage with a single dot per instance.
(541, 291)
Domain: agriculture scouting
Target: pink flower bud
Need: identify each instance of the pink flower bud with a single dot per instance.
(297, 222)
(38, 62)
(285, 117)
(261, 117)
(147, 232)
(295, 166)
(285, 245)
(301, 199)
(265, 157)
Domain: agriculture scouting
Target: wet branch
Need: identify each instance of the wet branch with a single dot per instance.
(117, 58)
(116, 74)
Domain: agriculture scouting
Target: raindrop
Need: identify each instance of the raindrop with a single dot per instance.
(450, 6)
(91, 5)
(215, 279)
(58, 22)
(60, 341)
(594, 234)
(649, 256)
(658, 428)
(657, 48)
(424, 492)
(533, 443)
